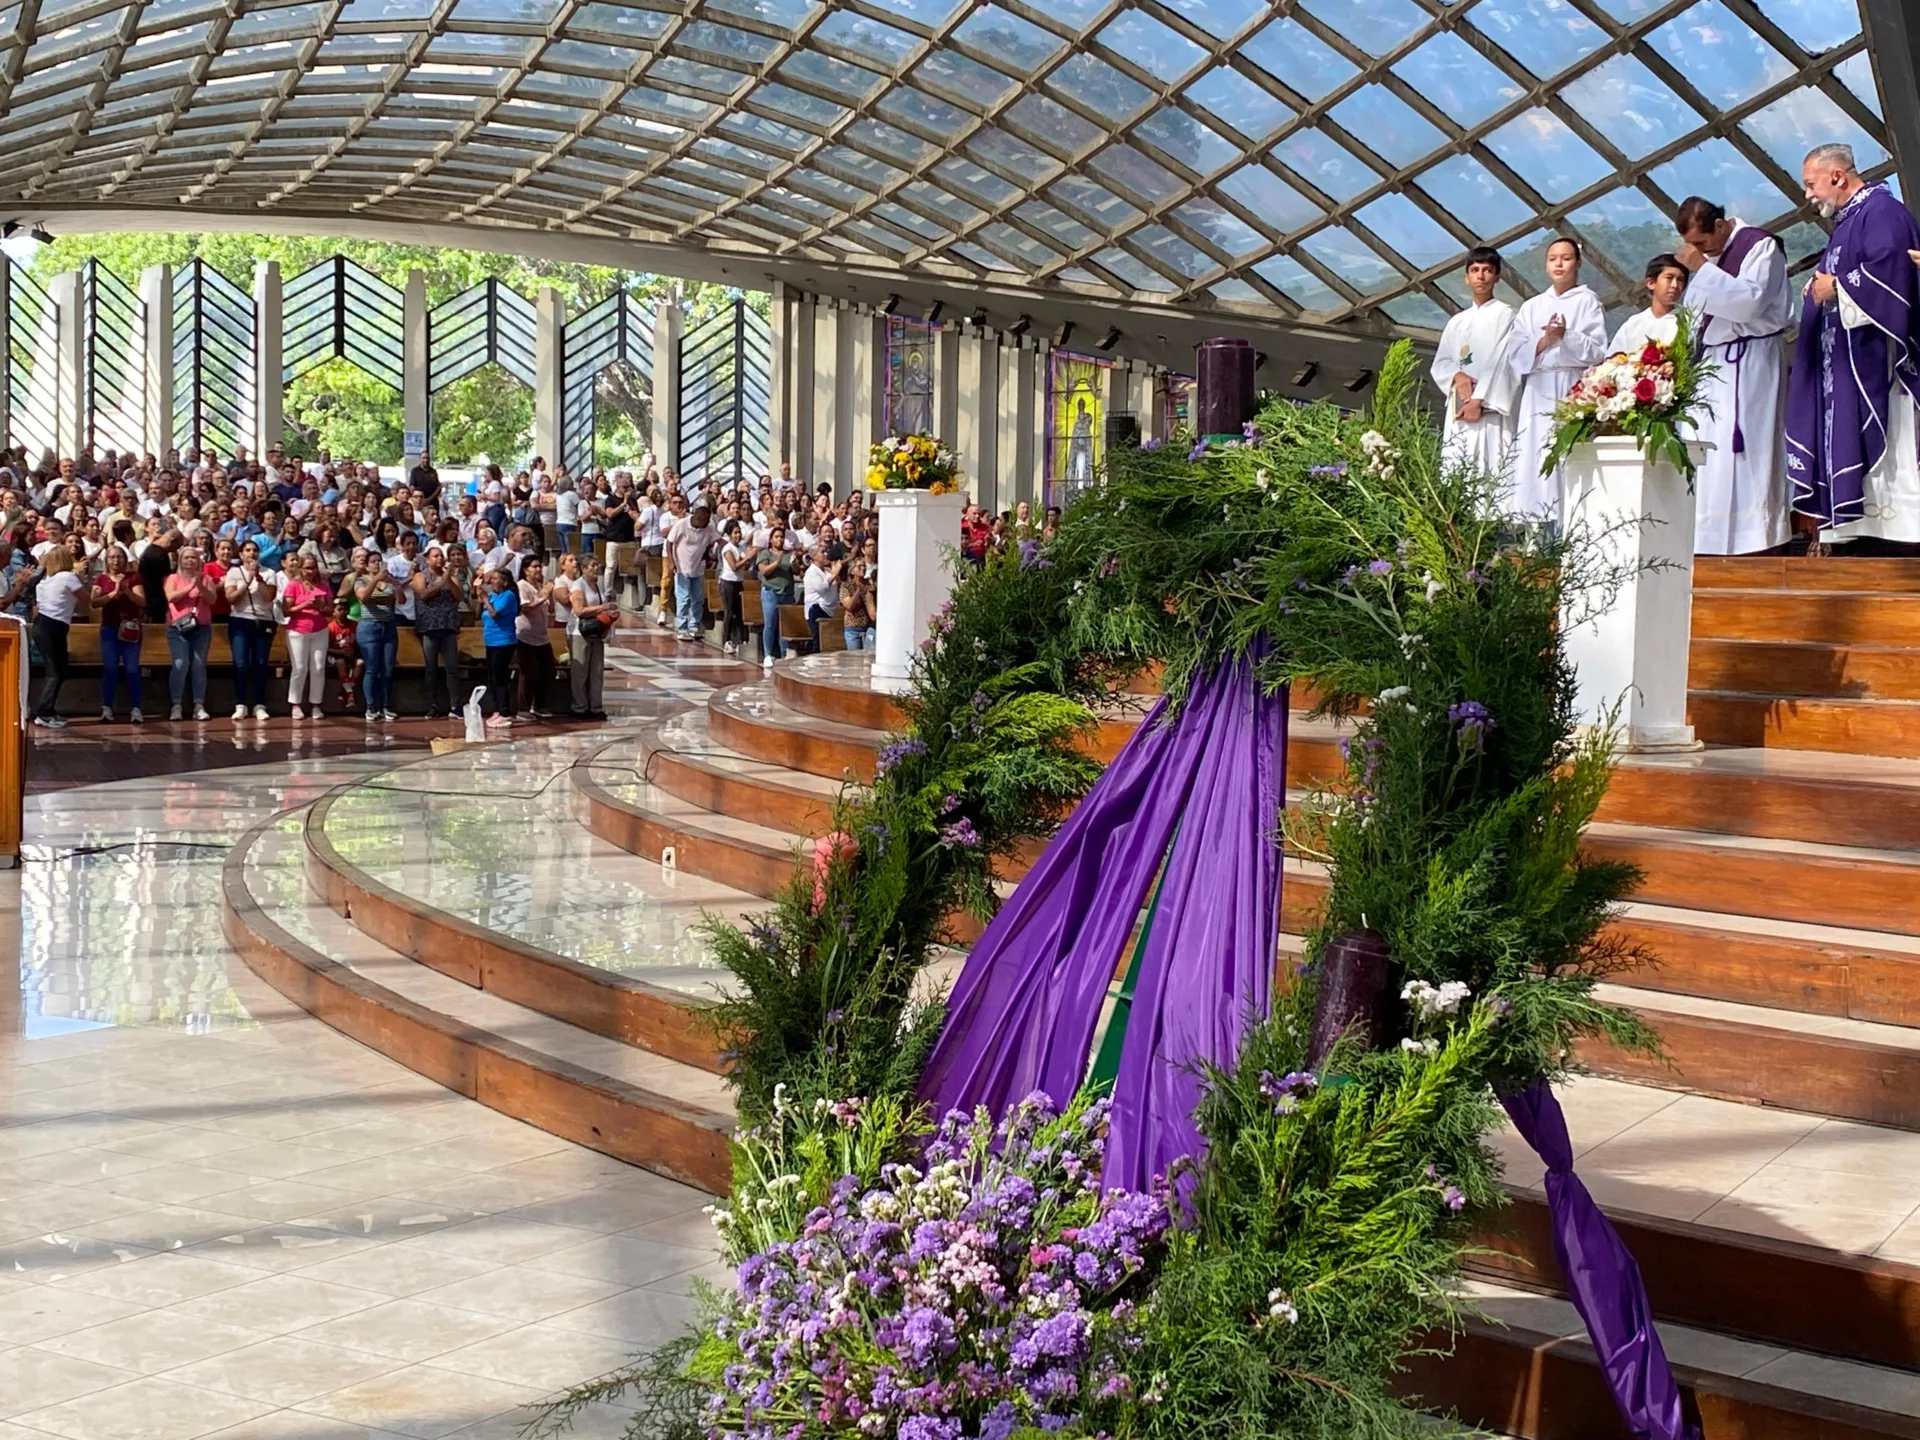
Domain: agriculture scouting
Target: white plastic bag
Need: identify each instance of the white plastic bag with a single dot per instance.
(476, 722)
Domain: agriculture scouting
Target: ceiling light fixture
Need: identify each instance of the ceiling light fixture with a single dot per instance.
(1021, 326)
(933, 311)
(1063, 334)
(1109, 340)
(1360, 381)
(892, 304)
(1304, 375)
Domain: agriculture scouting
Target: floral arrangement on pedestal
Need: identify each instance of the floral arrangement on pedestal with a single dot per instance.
(912, 462)
(1652, 394)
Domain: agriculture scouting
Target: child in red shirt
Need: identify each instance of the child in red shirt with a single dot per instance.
(343, 649)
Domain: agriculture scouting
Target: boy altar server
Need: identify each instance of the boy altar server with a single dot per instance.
(1472, 373)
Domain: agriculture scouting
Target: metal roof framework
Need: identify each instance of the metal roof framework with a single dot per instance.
(1320, 162)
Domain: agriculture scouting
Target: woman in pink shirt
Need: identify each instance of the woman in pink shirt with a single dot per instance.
(190, 597)
(308, 601)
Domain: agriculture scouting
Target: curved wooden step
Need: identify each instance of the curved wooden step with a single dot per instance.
(644, 1109)
(1826, 617)
(1547, 1384)
(1886, 573)
(1769, 1291)
(1823, 798)
(604, 1002)
(1782, 667)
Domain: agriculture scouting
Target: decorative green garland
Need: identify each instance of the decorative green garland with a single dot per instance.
(1323, 1228)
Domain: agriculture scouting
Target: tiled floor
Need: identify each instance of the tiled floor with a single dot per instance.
(219, 1217)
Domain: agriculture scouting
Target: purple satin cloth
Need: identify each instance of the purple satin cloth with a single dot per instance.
(1602, 1278)
(1023, 1014)
(1208, 969)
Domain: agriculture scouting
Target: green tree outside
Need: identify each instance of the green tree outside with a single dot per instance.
(340, 408)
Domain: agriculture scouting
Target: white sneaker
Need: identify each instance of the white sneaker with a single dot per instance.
(200, 713)
(50, 722)
(137, 717)
(388, 715)
(106, 714)
(239, 712)
(767, 661)
(259, 712)
(174, 713)
(297, 713)
(373, 717)
(499, 722)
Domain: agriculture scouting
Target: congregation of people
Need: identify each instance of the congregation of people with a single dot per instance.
(1822, 442)
(338, 561)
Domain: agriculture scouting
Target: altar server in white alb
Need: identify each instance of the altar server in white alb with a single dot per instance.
(1556, 336)
(1473, 375)
(1741, 306)
(1657, 324)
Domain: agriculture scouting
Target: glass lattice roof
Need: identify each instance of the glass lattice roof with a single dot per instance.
(1320, 159)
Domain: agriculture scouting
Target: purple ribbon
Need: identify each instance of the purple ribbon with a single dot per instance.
(1603, 1280)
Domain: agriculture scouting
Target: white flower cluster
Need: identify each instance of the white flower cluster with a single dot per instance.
(1280, 1307)
(1610, 387)
(1380, 454)
(1420, 1047)
(1430, 1001)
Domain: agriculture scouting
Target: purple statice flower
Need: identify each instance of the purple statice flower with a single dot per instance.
(1109, 567)
(1474, 577)
(959, 833)
(1350, 574)
(950, 804)
(1455, 1198)
(1153, 444)
(1300, 582)
(1031, 558)
(1285, 1092)
(892, 755)
(1250, 432)
(1198, 452)
(981, 702)
(1471, 723)
(1379, 567)
(1337, 470)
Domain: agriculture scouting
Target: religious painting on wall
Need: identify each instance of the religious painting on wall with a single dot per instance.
(909, 372)
(1178, 396)
(1076, 421)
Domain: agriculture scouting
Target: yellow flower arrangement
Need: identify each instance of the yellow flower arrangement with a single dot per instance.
(913, 462)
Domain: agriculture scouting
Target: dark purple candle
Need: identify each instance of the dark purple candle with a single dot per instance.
(1353, 988)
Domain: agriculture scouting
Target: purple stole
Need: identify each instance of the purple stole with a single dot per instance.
(1730, 259)
(1843, 379)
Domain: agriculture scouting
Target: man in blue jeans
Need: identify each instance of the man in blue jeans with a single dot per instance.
(689, 545)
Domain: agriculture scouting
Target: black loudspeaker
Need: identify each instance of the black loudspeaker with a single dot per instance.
(1224, 397)
(1122, 431)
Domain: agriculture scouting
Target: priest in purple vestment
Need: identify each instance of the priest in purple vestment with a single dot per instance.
(1851, 431)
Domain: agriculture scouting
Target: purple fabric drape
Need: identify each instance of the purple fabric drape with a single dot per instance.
(1208, 968)
(1602, 1277)
(1023, 1014)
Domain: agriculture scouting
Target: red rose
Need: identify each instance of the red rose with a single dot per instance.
(1652, 355)
(1604, 389)
(1643, 392)
(1579, 389)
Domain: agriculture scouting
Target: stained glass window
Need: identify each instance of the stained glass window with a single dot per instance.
(909, 376)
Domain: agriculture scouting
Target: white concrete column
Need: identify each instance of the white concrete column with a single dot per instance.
(1153, 425)
(269, 334)
(946, 381)
(857, 396)
(669, 324)
(780, 374)
(826, 380)
(6, 348)
(70, 418)
(1034, 400)
(156, 293)
(1008, 357)
(970, 418)
(416, 401)
(549, 363)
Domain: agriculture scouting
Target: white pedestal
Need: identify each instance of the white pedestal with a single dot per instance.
(1639, 517)
(918, 529)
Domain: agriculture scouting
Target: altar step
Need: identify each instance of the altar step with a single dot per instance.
(1526, 1369)
(644, 1108)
